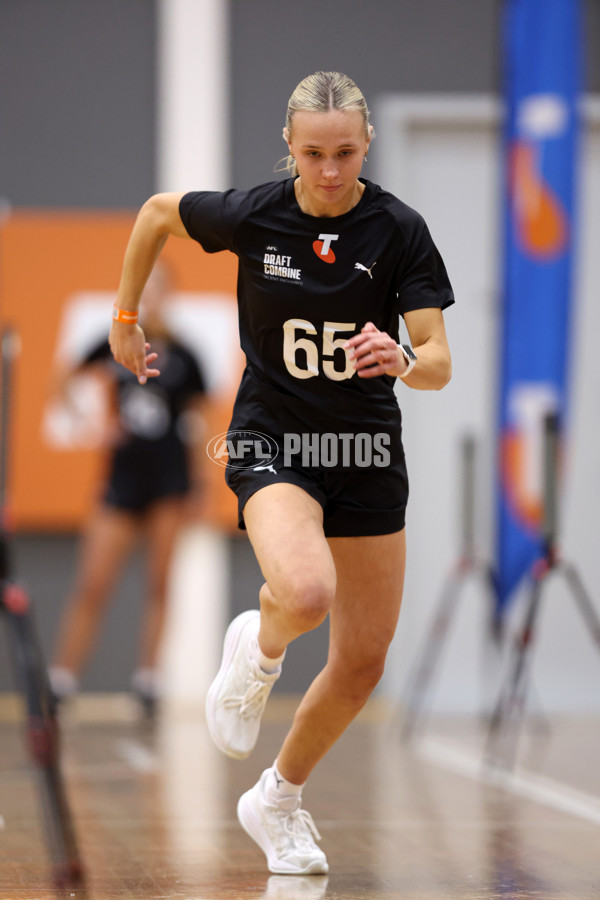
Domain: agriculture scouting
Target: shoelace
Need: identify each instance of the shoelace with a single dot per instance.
(299, 822)
(251, 704)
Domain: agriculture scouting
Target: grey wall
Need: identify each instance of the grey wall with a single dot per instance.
(384, 45)
(78, 79)
(77, 87)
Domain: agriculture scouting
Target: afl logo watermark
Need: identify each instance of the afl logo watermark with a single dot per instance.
(242, 449)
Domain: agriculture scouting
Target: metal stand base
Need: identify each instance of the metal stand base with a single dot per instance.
(42, 733)
(508, 715)
(469, 565)
(422, 678)
(31, 674)
(506, 720)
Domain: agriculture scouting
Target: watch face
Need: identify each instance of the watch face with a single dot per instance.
(409, 351)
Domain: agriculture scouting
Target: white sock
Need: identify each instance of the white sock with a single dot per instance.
(62, 681)
(278, 790)
(146, 681)
(267, 664)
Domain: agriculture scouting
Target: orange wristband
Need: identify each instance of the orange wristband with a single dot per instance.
(124, 315)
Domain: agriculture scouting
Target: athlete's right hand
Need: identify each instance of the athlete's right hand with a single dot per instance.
(129, 347)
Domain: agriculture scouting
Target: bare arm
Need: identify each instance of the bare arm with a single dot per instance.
(428, 337)
(158, 218)
(375, 353)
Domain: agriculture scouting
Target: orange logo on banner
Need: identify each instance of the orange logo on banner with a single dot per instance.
(541, 221)
(527, 507)
(523, 451)
(47, 258)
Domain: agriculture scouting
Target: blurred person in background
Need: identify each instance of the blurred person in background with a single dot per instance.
(153, 473)
(328, 262)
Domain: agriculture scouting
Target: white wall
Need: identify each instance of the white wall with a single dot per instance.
(440, 155)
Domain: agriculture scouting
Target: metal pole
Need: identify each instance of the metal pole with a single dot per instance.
(29, 665)
(551, 462)
(468, 496)
(467, 564)
(507, 718)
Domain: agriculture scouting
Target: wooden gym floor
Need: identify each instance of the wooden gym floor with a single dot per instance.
(155, 812)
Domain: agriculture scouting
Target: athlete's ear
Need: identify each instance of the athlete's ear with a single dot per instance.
(370, 134)
(286, 136)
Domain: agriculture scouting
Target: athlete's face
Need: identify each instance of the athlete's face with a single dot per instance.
(329, 148)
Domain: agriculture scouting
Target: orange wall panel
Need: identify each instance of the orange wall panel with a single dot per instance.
(45, 258)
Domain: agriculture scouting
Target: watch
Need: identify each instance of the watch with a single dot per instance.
(410, 357)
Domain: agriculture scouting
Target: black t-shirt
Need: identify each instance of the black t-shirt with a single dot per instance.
(307, 284)
(149, 414)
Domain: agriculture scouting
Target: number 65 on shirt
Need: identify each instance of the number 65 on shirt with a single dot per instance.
(292, 343)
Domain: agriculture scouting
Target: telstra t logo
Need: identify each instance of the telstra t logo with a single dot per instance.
(322, 247)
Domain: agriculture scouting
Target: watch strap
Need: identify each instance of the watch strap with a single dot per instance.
(409, 356)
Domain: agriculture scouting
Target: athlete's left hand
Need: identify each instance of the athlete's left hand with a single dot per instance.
(374, 352)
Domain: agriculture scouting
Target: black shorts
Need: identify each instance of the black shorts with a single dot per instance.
(356, 502)
(138, 480)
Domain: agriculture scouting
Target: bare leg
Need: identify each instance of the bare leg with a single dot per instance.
(285, 527)
(164, 524)
(363, 621)
(359, 580)
(107, 542)
(364, 612)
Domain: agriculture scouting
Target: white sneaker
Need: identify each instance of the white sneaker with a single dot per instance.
(63, 683)
(284, 831)
(237, 697)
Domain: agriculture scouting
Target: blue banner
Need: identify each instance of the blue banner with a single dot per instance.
(541, 52)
